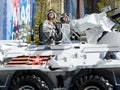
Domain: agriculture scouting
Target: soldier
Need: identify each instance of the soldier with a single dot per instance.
(50, 33)
(67, 28)
(64, 19)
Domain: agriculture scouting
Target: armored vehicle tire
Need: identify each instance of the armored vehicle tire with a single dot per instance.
(92, 83)
(28, 83)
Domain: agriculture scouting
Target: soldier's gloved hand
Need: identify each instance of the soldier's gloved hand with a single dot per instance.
(58, 26)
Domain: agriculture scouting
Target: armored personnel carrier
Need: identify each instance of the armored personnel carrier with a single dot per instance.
(86, 65)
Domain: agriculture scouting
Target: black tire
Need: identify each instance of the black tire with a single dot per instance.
(28, 83)
(92, 83)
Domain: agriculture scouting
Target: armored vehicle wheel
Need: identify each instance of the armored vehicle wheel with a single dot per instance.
(92, 83)
(28, 83)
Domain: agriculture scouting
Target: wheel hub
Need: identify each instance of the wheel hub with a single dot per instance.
(26, 87)
(92, 88)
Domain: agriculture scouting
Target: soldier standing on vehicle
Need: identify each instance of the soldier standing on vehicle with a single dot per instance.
(64, 19)
(67, 29)
(51, 35)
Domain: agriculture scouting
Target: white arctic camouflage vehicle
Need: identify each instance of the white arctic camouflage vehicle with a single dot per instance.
(91, 65)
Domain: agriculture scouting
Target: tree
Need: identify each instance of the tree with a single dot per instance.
(103, 3)
(41, 8)
(40, 16)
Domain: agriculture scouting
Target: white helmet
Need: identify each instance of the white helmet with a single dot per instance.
(64, 15)
(51, 11)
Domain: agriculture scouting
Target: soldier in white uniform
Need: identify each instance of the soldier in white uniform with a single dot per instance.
(50, 33)
(64, 19)
(68, 31)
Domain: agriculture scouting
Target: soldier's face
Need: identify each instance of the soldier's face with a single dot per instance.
(64, 19)
(51, 15)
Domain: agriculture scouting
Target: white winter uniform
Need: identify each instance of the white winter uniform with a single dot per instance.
(66, 32)
(48, 27)
(51, 33)
(48, 31)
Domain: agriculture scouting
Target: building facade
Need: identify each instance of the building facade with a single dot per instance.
(70, 8)
(14, 14)
(79, 8)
